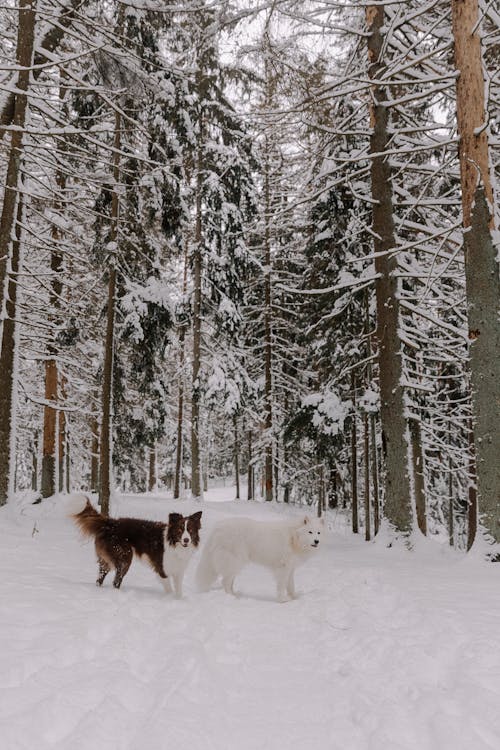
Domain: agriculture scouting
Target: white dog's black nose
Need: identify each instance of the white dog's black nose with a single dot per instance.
(316, 542)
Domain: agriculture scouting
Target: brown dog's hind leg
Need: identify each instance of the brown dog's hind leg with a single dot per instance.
(122, 565)
(104, 569)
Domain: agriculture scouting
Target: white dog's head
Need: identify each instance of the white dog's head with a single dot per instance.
(308, 535)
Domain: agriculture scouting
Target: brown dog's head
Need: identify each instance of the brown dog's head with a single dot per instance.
(184, 530)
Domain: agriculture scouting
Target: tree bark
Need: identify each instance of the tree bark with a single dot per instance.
(451, 513)
(236, 458)
(179, 449)
(397, 506)
(268, 348)
(481, 264)
(376, 494)
(24, 57)
(34, 463)
(152, 470)
(94, 455)
(8, 366)
(418, 475)
(106, 437)
(366, 445)
(50, 413)
(354, 460)
(250, 470)
(196, 477)
(49, 42)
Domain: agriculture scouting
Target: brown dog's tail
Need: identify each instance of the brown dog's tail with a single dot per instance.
(89, 520)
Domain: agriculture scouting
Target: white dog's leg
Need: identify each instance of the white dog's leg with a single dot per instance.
(178, 585)
(167, 586)
(282, 577)
(228, 584)
(290, 586)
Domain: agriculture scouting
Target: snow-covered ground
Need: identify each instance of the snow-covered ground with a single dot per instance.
(383, 650)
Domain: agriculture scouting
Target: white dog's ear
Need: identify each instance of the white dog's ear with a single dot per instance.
(322, 520)
(306, 520)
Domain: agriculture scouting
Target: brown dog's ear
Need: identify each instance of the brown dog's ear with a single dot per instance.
(174, 518)
(196, 517)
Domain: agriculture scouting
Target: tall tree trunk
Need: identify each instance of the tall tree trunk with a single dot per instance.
(106, 437)
(51, 463)
(451, 513)
(196, 477)
(24, 57)
(152, 470)
(397, 506)
(8, 380)
(34, 463)
(418, 474)
(268, 347)
(94, 455)
(472, 494)
(376, 495)
(62, 448)
(481, 260)
(251, 473)
(321, 490)
(49, 430)
(236, 458)
(53, 433)
(44, 46)
(179, 448)
(354, 460)
(366, 445)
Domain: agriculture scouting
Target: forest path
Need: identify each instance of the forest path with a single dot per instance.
(383, 649)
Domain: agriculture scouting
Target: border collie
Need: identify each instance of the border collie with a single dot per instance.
(167, 547)
(278, 545)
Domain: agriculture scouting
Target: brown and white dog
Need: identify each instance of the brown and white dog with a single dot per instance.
(167, 547)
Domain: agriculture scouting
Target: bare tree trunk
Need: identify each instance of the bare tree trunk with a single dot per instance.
(62, 445)
(376, 495)
(54, 391)
(321, 490)
(268, 350)
(418, 474)
(366, 444)
(67, 459)
(8, 366)
(236, 458)
(196, 474)
(105, 443)
(481, 262)
(24, 57)
(179, 449)
(472, 494)
(354, 460)
(398, 510)
(152, 470)
(49, 430)
(94, 455)
(34, 463)
(250, 470)
(49, 42)
(451, 513)
(180, 426)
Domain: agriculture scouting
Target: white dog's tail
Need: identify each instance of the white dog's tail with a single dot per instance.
(206, 574)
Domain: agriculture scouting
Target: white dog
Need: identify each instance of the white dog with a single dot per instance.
(278, 545)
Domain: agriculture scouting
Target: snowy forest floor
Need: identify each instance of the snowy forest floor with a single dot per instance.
(383, 649)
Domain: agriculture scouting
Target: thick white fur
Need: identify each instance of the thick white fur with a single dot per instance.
(175, 562)
(278, 545)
